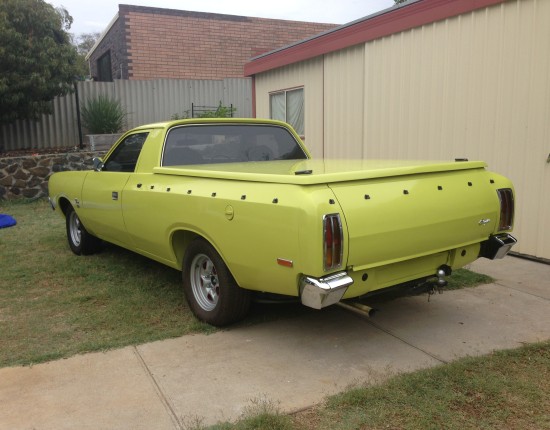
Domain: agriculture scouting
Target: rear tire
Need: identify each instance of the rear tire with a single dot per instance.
(210, 289)
(80, 241)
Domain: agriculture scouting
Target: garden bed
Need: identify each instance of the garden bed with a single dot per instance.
(43, 151)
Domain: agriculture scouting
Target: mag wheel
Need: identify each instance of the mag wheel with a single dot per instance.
(212, 293)
(80, 241)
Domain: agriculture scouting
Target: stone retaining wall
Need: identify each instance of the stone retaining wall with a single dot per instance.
(27, 177)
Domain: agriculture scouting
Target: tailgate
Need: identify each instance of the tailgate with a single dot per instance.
(398, 218)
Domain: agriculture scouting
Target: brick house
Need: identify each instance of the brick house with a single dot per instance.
(151, 43)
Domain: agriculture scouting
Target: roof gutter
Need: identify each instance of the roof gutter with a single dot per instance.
(98, 41)
(400, 17)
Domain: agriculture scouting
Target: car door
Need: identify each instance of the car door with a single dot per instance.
(102, 191)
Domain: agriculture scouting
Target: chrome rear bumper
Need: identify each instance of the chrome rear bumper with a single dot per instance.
(319, 293)
(497, 246)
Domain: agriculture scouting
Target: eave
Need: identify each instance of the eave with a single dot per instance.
(399, 18)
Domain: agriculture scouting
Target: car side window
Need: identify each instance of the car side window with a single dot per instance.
(124, 157)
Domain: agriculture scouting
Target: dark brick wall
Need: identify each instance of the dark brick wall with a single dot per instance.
(174, 44)
(114, 41)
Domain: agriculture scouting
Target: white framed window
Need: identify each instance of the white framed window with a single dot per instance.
(288, 106)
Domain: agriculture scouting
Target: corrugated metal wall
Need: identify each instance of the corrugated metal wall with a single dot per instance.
(308, 74)
(475, 86)
(58, 129)
(145, 102)
(343, 103)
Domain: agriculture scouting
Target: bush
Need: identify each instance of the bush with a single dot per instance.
(102, 115)
(219, 111)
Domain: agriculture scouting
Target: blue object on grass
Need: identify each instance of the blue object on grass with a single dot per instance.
(6, 221)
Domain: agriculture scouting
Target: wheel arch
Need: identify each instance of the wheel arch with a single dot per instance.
(64, 204)
(181, 240)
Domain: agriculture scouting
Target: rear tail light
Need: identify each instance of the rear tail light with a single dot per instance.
(506, 197)
(332, 241)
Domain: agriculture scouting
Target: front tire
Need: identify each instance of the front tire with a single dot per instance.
(210, 289)
(80, 241)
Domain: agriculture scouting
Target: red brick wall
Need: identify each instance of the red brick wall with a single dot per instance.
(165, 43)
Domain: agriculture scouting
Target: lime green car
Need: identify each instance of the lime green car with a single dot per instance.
(239, 206)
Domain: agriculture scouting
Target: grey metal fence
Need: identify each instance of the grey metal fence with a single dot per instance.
(145, 102)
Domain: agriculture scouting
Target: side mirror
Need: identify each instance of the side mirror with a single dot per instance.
(98, 164)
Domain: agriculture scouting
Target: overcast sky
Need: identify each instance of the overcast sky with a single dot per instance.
(94, 16)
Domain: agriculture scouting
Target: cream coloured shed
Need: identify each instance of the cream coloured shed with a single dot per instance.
(428, 79)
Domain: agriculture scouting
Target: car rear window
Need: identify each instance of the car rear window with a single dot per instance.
(229, 143)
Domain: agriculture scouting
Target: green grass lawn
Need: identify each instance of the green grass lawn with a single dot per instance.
(54, 304)
(504, 390)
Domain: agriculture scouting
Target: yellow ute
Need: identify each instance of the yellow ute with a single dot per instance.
(239, 206)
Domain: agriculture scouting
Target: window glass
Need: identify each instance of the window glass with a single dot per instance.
(295, 110)
(124, 157)
(224, 143)
(278, 106)
(104, 70)
(288, 106)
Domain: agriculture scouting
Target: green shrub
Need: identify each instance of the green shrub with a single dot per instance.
(102, 115)
(220, 112)
(206, 112)
(176, 116)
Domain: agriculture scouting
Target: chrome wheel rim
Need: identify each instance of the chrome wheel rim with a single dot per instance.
(75, 229)
(204, 282)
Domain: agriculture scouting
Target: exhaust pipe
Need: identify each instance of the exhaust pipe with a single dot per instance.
(358, 308)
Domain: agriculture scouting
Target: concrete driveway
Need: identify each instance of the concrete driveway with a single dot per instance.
(295, 361)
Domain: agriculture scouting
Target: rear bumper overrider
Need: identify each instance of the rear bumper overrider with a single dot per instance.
(497, 246)
(319, 293)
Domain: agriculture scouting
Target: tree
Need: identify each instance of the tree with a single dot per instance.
(37, 59)
(83, 43)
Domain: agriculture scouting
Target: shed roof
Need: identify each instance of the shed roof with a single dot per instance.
(398, 18)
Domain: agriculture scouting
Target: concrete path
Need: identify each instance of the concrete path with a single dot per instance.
(295, 362)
